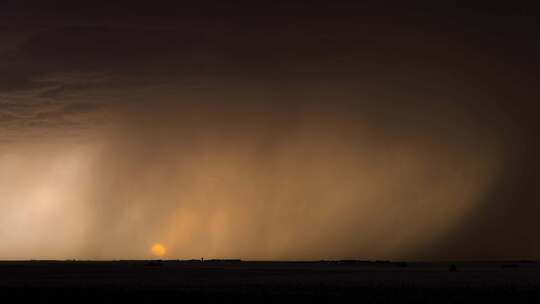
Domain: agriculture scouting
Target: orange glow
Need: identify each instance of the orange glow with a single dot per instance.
(158, 250)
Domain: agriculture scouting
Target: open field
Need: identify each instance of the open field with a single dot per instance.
(377, 282)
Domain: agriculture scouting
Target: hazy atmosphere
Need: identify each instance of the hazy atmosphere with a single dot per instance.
(275, 132)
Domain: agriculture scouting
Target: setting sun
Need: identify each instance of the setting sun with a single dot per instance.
(158, 250)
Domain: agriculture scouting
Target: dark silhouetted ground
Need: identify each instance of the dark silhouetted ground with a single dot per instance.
(366, 282)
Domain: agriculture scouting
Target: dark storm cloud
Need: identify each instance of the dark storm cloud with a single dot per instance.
(321, 128)
(54, 103)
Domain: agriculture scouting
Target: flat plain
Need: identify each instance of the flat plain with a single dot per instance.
(372, 282)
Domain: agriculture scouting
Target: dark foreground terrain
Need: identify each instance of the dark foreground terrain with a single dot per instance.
(368, 282)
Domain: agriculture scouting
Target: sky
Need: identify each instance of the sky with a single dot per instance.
(282, 130)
